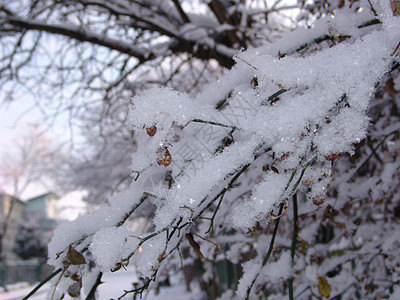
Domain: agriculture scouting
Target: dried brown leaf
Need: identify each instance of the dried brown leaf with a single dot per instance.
(389, 87)
(395, 5)
(164, 157)
(151, 130)
(74, 290)
(194, 244)
(317, 201)
(74, 257)
(324, 288)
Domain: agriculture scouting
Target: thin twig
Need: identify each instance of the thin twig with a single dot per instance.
(211, 228)
(294, 241)
(92, 292)
(43, 282)
(268, 255)
(214, 123)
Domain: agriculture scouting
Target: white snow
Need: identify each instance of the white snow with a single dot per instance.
(322, 111)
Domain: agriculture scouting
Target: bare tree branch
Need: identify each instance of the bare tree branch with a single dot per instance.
(184, 16)
(82, 35)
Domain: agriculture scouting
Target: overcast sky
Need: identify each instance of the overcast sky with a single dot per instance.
(15, 120)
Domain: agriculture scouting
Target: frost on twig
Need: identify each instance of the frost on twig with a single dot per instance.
(267, 129)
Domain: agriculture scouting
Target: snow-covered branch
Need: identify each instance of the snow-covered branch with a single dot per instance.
(264, 132)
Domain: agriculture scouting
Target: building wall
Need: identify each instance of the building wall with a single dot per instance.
(51, 210)
(16, 219)
(39, 211)
(42, 210)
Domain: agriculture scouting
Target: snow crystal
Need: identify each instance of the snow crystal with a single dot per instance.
(150, 255)
(337, 137)
(234, 252)
(250, 270)
(311, 273)
(110, 246)
(161, 107)
(281, 269)
(273, 271)
(265, 196)
(228, 295)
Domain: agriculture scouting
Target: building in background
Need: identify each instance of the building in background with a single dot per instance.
(13, 224)
(42, 211)
(28, 232)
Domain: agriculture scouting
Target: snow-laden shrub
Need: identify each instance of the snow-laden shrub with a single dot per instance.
(223, 165)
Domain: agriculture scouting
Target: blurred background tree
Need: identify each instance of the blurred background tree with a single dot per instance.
(30, 244)
(33, 159)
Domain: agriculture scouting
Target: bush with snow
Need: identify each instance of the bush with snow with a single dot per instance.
(236, 158)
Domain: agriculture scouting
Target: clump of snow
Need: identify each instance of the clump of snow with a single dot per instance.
(84, 227)
(338, 136)
(265, 196)
(250, 270)
(150, 255)
(111, 245)
(161, 107)
(311, 273)
(275, 271)
(228, 295)
(278, 270)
